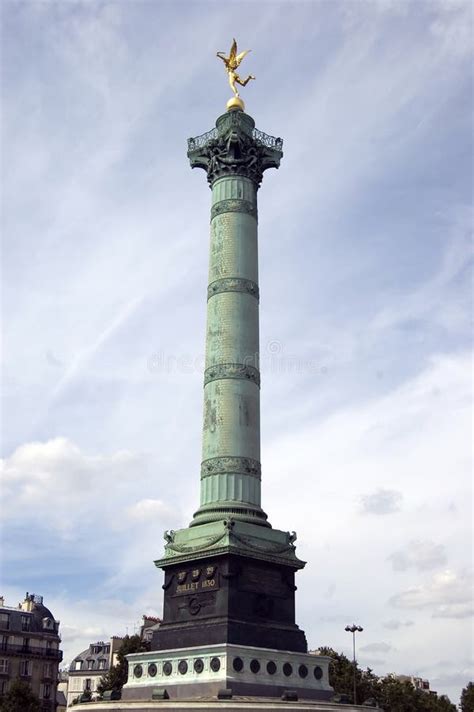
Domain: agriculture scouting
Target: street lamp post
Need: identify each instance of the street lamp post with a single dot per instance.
(354, 629)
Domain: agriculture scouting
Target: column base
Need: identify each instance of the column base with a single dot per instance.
(230, 510)
(203, 671)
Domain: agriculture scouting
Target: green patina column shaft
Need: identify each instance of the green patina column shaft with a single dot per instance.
(234, 155)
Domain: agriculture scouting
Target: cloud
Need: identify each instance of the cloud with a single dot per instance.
(57, 483)
(147, 509)
(452, 27)
(447, 595)
(337, 618)
(382, 501)
(330, 591)
(67, 494)
(396, 624)
(52, 360)
(455, 610)
(376, 648)
(458, 679)
(81, 359)
(420, 555)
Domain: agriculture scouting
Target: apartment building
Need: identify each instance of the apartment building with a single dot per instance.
(29, 648)
(89, 666)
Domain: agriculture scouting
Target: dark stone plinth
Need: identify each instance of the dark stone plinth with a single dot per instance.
(230, 599)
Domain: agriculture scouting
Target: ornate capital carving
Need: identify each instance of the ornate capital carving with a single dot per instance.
(232, 370)
(231, 465)
(234, 205)
(235, 147)
(233, 284)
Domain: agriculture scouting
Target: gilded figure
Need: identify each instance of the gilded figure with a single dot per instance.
(231, 64)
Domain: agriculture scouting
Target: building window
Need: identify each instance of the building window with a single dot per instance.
(3, 666)
(90, 664)
(87, 684)
(26, 644)
(4, 642)
(5, 621)
(47, 691)
(78, 665)
(3, 687)
(25, 623)
(25, 668)
(47, 670)
(101, 664)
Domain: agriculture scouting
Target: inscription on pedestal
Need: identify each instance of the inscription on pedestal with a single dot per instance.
(195, 581)
(195, 586)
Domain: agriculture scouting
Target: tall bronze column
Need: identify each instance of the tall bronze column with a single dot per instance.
(234, 156)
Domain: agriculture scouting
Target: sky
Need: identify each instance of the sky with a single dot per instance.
(365, 309)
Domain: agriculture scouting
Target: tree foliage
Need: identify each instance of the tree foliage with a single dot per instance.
(341, 676)
(20, 698)
(467, 698)
(391, 694)
(117, 676)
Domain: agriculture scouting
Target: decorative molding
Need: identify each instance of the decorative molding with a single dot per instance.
(232, 370)
(235, 148)
(267, 547)
(234, 205)
(205, 544)
(233, 284)
(231, 465)
(190, 556)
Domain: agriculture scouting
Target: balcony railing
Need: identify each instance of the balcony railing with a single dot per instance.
(31, 651)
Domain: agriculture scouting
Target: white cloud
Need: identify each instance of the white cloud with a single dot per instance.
(446, 595)
(421, 555)
(381, 502)
(376, 648)
(394, 624)
(452, 27)
(55, 482)
(147, 509)
(428, 300)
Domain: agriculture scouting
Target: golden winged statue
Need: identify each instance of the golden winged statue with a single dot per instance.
(231, 63)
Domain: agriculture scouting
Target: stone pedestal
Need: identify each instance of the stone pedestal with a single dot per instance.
(230, 582)
(244, 670)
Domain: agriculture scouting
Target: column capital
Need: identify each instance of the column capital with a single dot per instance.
(235, 147)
